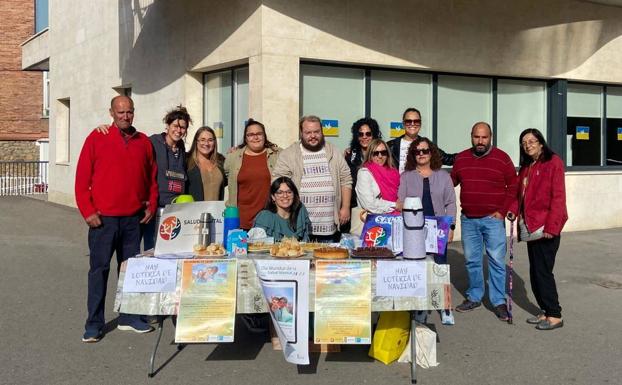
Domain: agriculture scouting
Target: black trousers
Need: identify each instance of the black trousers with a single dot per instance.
(541, 261)
(120, 235)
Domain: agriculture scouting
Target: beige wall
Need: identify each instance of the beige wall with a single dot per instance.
(162, 48)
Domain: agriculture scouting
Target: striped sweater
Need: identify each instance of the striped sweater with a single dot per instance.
(487, 183)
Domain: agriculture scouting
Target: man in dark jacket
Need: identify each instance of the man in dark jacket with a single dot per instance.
(398, 147)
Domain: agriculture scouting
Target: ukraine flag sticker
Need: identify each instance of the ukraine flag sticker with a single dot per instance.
(397, 129)
(583, 133)
(330, 127)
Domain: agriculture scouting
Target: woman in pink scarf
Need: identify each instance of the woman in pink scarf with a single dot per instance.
(378, 180)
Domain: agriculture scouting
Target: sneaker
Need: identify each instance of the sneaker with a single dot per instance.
(92, 336)
(501, 311)
(447, 317)
(468, 305)
(136, 326)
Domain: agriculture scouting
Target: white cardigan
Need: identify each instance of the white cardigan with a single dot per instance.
(368, 192)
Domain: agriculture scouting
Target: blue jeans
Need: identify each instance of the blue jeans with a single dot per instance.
(120, 235)
(477, 234)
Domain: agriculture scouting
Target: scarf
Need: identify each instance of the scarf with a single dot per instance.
(388, 180)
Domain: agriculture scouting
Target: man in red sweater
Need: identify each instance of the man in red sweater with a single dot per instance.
(488, 186)
(116, 192)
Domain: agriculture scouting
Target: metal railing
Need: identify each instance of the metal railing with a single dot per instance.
(23, 177)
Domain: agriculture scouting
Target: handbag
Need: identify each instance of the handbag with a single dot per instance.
(525, 235)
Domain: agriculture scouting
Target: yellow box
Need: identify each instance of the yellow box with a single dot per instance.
(391, 336)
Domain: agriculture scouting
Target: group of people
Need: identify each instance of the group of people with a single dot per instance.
(310, 189)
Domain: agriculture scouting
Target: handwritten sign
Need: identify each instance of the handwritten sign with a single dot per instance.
(150, 275)
(401, 279)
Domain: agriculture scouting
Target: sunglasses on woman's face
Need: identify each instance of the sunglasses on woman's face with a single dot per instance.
(422, 151)
(365, 134)
(412, 122)
(380, 153)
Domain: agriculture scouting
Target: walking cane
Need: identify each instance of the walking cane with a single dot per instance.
(511, 271)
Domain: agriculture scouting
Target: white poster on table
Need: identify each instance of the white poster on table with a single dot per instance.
(150, 275)
(180, 226)
(285, 284)
(401, 279)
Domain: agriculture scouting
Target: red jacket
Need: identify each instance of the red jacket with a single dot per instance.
(543, 201)
(115, 177)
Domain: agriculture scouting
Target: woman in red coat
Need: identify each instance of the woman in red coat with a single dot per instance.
(541, 212)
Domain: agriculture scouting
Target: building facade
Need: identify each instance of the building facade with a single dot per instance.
(23, 119)
(550, 65)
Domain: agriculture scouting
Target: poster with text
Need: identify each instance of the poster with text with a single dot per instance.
(207, 301)
(150, 275)
(342, 302)
(285, 284)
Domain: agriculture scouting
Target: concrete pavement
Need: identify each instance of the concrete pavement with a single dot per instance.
(43, 252)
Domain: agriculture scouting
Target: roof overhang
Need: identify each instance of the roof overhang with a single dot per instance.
(36, 52)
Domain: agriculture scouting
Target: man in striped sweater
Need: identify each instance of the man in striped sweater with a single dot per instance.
(488, 184)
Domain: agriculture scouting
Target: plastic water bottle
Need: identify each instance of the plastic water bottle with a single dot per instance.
(231, 221)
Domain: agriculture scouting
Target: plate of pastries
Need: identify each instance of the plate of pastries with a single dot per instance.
(287, 248)
(211, 250)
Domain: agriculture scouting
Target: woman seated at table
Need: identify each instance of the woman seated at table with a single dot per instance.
(377, 180)
(423, 178)
(284, 214)
(206, 176)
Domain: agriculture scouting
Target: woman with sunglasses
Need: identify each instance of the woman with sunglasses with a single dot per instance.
(541, 212)
(206, 175)
(284, 214)
(378, 180)
(248, 170)
(424, 178)
(363, 132)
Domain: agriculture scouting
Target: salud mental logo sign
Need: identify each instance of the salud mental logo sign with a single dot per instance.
(170, 228)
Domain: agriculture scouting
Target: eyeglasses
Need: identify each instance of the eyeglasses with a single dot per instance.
(422, 151)
(366, 133)
(204, 141)
(281, 193)
(412, 122)
(380, 153)
(529, 143)
(254, 135)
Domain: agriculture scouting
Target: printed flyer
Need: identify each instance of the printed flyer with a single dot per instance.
(285, 284)
(342, 302)
(207, 301)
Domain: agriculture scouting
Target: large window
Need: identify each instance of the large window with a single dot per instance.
(226, 105)
(613, 154)
(583, 135)
(336, 95)
(451, 104)
(462, 101)
(393, 92)
(521, 104)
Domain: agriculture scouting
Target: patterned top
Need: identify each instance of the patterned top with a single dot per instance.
(317, 192)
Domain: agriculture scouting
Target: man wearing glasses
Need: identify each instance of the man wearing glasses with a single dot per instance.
(411, 119)
(488, 186)
(322, 176)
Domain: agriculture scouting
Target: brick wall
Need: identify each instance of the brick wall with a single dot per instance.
(21, 95)
(19, 150)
